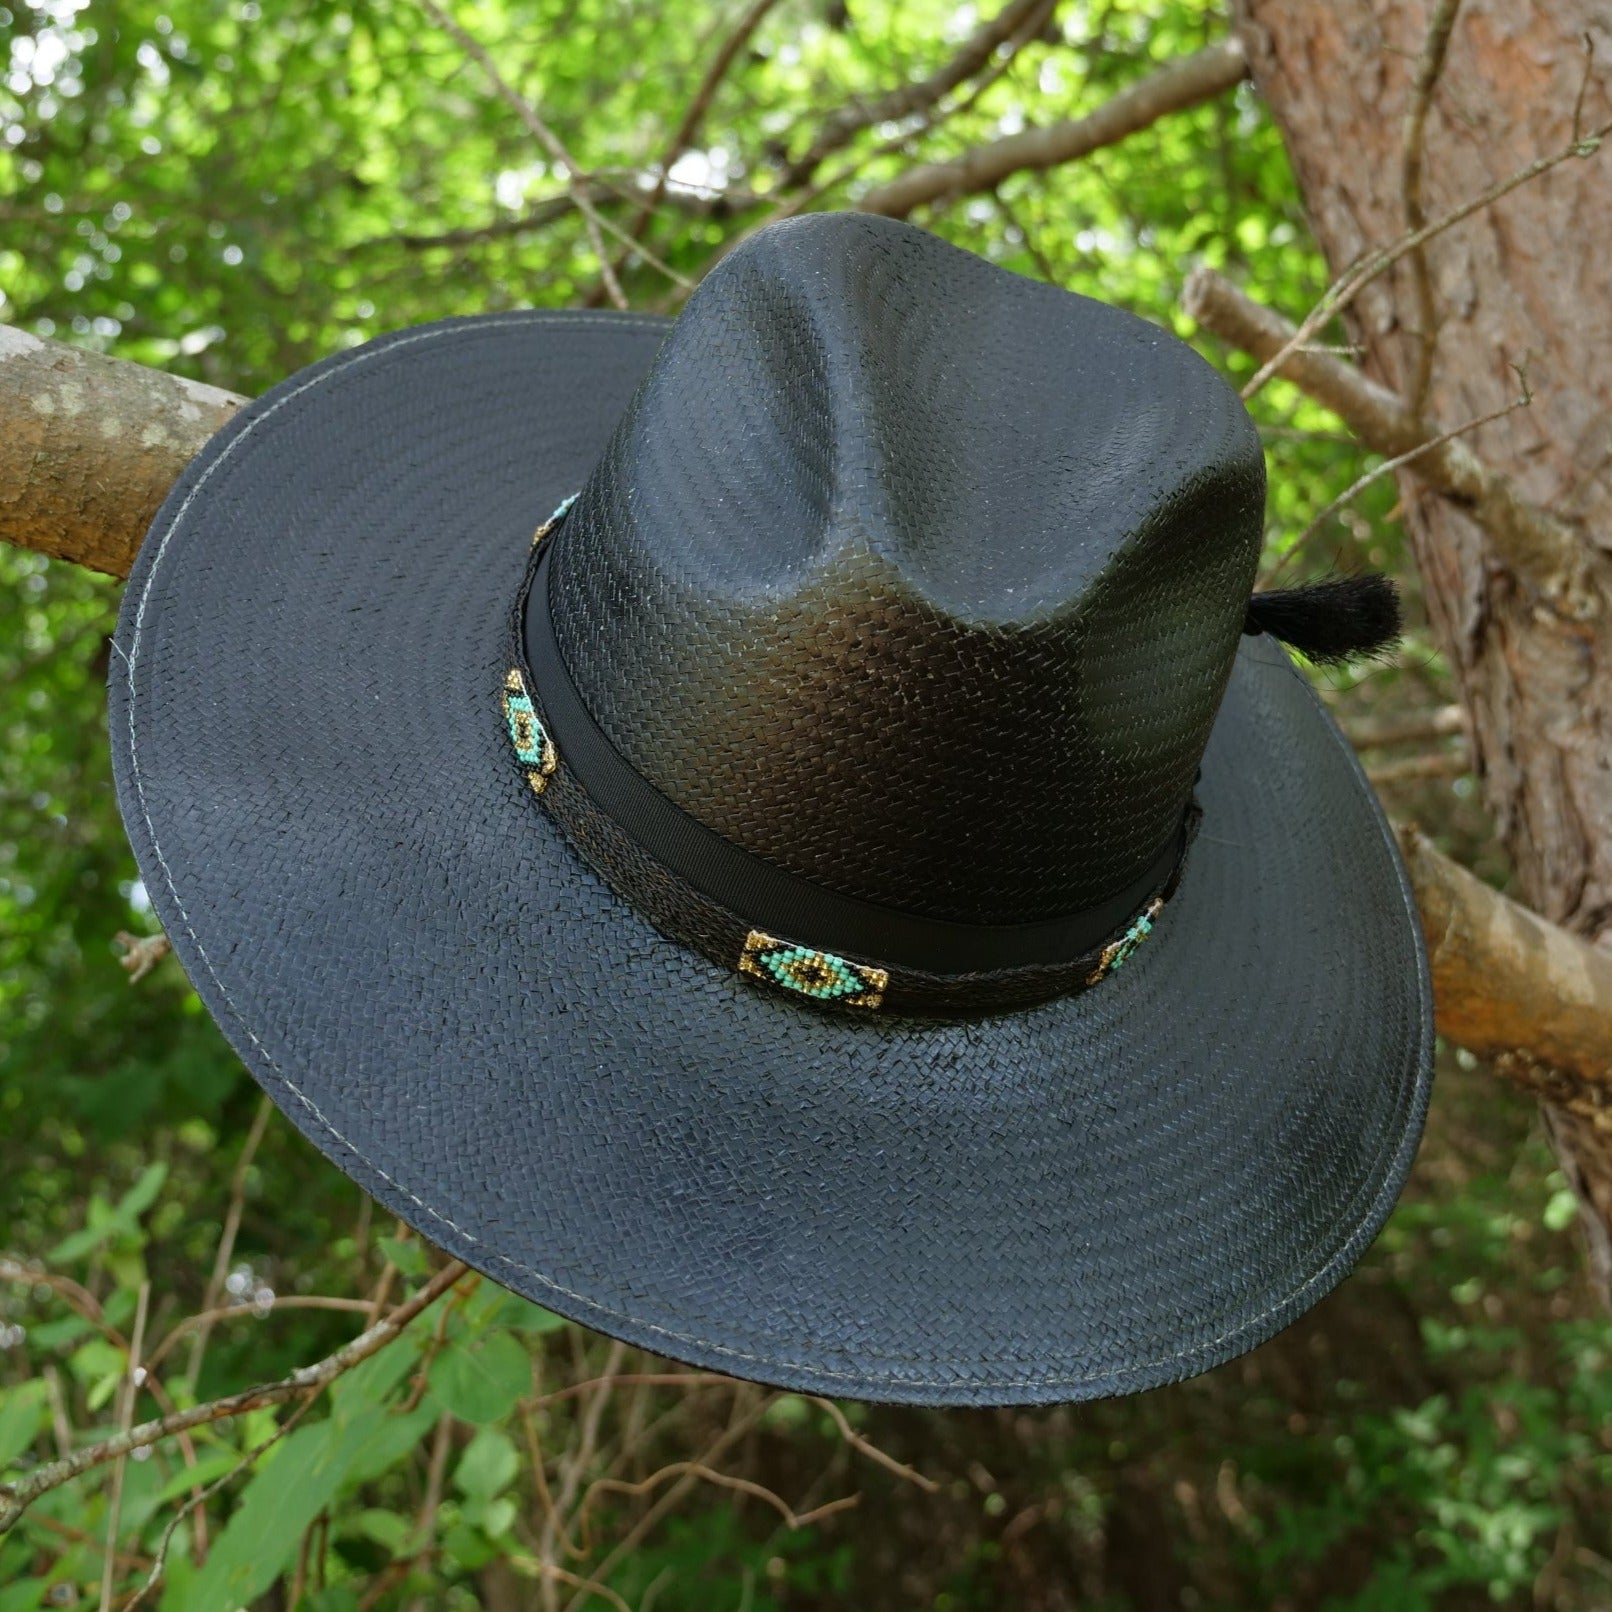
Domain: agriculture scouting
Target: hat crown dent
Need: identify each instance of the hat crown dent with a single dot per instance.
(918, 578)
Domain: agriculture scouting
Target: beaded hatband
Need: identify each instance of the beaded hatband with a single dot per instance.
(693, 918)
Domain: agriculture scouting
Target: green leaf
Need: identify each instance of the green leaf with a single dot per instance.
(481, 1382)
(21, 1411)
(468, 1546)
(104, 1222)
(370, 1382)
(488, 1465)
(408, 1257)
(524, 1316)
(214, 1464)
(1561, 1210)
(494, 1518)
(24, 1596)
(276, 1508)
(388, 1529)
(100, 1366)
(143, 1193)
(299, 1479)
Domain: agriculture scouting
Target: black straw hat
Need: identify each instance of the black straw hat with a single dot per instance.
(851, 905)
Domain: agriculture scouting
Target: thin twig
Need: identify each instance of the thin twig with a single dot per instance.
(1174, 87)
(551, 1523)
(141, 953)
(17, 1496)
(201, 1496)
(693, 119)
(79, 1299)
(1544, 551)
(1416, 729)
(872, 1451)
(725, 1480)
(1442, 764)
(1343, 291)
(226, 1242)
(257, 1312)
(1011, 27)
(436, 1473)
(60, 1426)
(1388, 466)
(654, 1379)
(128, 1393)
(1428, 69)
(741, 1424)
(596, 224)
(849, 170)
(574, 1467)
(589, 1586)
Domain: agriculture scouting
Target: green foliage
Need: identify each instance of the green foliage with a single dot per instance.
(230, 190)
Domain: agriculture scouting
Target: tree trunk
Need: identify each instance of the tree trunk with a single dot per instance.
(1526, 281)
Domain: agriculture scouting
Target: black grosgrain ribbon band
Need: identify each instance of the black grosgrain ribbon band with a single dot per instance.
(749, 914)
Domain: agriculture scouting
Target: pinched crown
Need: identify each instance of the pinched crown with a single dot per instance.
(914, 577)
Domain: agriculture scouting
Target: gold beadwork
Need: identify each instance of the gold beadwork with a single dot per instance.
(1118, 951)
(534, 748)
(817, 974)
(554, 520)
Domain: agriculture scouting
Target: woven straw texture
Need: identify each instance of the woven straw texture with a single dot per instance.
(1089, 1197)
(881, 504)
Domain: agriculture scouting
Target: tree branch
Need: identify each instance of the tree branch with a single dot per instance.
(89, 447)
(843, 125)
(1542, 550)
(1428, 69)
(1478, 958)
(15, 1498)
(1173, 88)
(1506, 980)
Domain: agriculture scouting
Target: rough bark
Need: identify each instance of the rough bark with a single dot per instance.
(89, 447)
(1526, 281)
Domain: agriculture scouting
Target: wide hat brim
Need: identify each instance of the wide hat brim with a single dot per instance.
(1112, 1191)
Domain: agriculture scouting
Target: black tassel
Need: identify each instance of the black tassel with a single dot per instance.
(1330, 622)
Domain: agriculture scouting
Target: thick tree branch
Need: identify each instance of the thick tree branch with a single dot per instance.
(89, 447)
(1507, 982)
(1543, 550)
(1505, 979)
(1173, 88)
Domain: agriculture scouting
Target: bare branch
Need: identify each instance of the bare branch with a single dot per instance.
(723, 1480)
(1417, 769)
(595, 222)
(17, 1496)
(141, 953)
(1428, 69)
(1173, 88)
(693, 120)
(226, 1242)
(89, 447)
(629, 1542)
(1398, 462)
(1506, 979)
(1540, 548)
(1418, 729)
(128, 1395)
(872, 1451)
(1013, 25)
(1348, 286)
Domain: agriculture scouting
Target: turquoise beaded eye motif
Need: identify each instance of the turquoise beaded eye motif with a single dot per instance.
(817, 974)
(533, 747)
(1118, 952)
